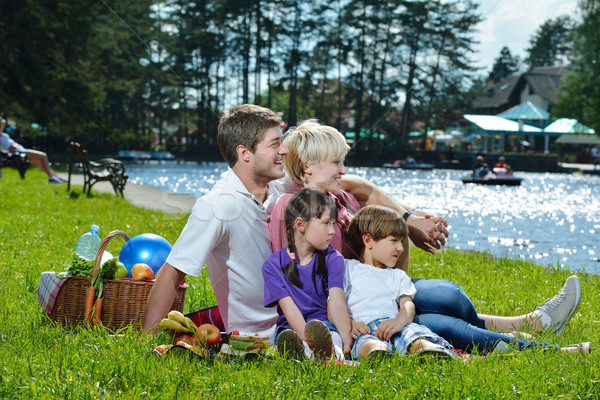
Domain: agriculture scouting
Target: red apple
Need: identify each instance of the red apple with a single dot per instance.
(187, 338)
(208, 335)
(142, 271)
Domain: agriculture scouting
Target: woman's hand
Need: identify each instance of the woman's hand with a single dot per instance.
(428, 232)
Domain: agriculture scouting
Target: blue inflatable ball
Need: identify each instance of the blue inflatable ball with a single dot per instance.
(146, 248)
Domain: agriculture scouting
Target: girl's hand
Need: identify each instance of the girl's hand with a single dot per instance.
(357, 328)
(387, 328)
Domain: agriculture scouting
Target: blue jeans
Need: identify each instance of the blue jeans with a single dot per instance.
(399, 341)
(445, 308)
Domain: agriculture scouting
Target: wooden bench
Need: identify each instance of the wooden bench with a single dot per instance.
(107, 169)
(16, 160)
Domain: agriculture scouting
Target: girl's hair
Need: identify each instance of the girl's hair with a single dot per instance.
(307, 204)
(311, 143)
(379, 222)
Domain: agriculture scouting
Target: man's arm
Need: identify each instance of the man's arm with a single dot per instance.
(427, 232)
(161, 296)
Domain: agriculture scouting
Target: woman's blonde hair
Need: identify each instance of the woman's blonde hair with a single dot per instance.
(312, 143)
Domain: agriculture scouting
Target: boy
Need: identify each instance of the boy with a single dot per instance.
(379, 298)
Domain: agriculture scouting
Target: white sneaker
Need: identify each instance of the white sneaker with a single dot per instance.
(559, 309)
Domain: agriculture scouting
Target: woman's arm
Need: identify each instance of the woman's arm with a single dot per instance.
(337, 311)
(293, 315)
(406, 313)
(427, 232)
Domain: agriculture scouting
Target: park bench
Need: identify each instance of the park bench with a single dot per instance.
(16, 160)
(107, 169)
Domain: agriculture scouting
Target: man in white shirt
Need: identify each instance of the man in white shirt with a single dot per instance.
(228, 226)
(37, 158)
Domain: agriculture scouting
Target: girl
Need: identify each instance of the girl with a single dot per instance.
(305, 282)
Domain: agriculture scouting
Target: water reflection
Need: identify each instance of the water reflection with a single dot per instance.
(552, 219)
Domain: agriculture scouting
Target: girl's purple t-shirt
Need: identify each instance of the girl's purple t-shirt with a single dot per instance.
(311, 300)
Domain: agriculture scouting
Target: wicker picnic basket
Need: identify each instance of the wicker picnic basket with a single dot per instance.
(123, 300)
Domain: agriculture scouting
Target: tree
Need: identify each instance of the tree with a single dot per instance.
(551, 44)
(505, 65)
(579, 95)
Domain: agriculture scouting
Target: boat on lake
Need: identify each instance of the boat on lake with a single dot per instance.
(493, 180)
(410, 163)
(133, 155)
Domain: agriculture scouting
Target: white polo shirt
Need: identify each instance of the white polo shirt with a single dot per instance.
(228, 230)
(6, 142)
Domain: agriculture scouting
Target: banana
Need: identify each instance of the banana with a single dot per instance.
(174, 326)
(176, 316)
(182, 319)
(190, 324)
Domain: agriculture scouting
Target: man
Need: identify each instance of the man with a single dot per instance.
(37, 158)
(228, 226)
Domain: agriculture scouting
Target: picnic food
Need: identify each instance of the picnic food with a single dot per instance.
(178, 322)
(208, 334)
(121, 271)
(142, 271)
(241, 345)
(187, 338)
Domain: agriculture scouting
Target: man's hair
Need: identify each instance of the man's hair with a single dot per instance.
(244, 125)
(311, 143)
(377, 221)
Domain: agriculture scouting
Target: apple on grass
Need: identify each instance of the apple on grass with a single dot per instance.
(142, 271)
(208, 335)
(187, 338)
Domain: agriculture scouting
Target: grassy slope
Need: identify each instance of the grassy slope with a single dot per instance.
(40, 224)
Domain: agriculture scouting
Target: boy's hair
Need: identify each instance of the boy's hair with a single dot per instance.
(311, 143)
(379, 222)
(307, 204)
(245, 125)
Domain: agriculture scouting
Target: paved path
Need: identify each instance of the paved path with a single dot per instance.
(144, 196)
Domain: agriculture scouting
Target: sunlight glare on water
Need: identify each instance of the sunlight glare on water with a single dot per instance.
(551, 219)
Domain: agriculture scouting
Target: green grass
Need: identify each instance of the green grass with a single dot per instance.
(40, 225)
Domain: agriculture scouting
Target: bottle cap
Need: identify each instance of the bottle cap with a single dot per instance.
(95, 228)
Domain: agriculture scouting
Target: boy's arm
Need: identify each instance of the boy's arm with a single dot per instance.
(161, 296)
(425, 229)
(293, 315)
(406, 313)
(338, 314)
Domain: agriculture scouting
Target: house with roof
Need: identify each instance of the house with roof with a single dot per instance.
(539, 87)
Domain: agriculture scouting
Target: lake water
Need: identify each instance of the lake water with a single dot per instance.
(551, 219)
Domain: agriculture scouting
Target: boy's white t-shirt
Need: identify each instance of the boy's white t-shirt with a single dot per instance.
(372, 293)
(228, 230)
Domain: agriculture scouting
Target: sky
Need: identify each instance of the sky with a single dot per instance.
(511, 23)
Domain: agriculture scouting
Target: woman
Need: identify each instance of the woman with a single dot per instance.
(315, 160)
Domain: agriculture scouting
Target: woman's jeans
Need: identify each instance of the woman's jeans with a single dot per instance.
(445, 308)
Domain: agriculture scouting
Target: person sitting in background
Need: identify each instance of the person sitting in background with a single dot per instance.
(484, 171)
(502, 168)
(477, 167)
(37, 158)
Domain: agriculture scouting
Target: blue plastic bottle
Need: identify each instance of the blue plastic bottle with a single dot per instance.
(88, 243)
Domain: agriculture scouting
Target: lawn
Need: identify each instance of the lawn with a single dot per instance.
(40, 225)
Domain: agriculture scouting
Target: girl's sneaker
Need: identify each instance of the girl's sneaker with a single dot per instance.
(319, 339)
(289, 344)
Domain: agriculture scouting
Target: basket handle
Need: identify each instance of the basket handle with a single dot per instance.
(103, 246)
